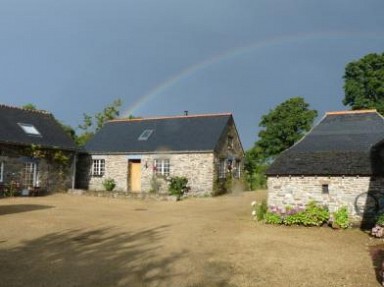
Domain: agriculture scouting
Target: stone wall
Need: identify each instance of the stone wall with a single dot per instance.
(116, 167)
(197, 167)
(50, 176)
(362, 195)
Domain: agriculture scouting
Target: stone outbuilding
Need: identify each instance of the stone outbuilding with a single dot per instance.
(338, 163)
(141, 155)
(36, 154)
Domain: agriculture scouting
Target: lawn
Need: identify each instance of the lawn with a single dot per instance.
(69, 240)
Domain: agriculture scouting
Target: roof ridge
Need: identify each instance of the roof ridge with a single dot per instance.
(170, 117)
(24, 109)
(352, 112)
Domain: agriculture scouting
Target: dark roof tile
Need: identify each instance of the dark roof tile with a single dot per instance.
(51, 133)
(184, 133)
(341, 144)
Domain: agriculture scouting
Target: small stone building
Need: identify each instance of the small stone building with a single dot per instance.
(338, 163)
(36, 155)
(141, 155)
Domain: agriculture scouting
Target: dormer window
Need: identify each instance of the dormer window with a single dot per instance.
(30, 129)
(145, 135)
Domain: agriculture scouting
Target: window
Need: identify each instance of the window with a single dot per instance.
(30, 129)
(237, 169)
(29, 174)
(161, 167)
(222, 168)
(145, 135)
(98, 167)
(325, 189)
(1, 170)
(229, 166)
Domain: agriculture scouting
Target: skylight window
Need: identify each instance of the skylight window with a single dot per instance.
(145, 135)
(30, 129)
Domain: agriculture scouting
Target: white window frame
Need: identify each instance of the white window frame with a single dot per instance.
(98, 167)
(30, 129)
(162, 167)
(145, 135)
(30, 174)
(237, 169)
(222, 171)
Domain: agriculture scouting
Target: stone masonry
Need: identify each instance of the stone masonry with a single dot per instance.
(363, 196)
(197, 167)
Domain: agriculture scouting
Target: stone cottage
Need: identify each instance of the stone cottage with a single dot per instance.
(142, 154)
(36, 155)
(338, 163)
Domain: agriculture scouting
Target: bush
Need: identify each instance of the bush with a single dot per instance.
(294, 219)
(222, 185)
(378, 229)
(341, 218)
(259, 210)
(380, 219)
(178, 186)
(314, 215)
(272, 218)
(109, 184)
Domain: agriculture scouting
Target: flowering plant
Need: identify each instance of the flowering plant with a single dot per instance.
(259, 210)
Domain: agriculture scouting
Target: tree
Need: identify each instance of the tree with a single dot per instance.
(281, 128)
(284, 125)
(255, 167)
(29, 106)
(364, 83)
(92, 124)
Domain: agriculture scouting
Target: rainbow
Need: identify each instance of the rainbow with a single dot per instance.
(238, 51)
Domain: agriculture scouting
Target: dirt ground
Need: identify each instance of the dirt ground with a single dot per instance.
(69, 240)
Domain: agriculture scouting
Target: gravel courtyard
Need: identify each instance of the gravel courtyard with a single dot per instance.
(69, 240)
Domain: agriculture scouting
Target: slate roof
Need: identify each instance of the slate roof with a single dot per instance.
(51, 133)
(343, 143)
(173, 134)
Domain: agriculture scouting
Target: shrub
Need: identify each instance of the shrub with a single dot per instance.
(380, 219)
(109, 184)
(341, 218)
(294, 219)
(178, 186)
(222, 185)
(259, 210)
(314, 215)
(272, 218)
(378, 229)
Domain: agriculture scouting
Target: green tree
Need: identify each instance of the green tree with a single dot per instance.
(69, 131)
(92, 124)
(284, 125)
(281, 128)
(364, 83)
(255, 167)
(29, 106)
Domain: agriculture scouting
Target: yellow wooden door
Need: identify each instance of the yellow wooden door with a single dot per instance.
(135, 176)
